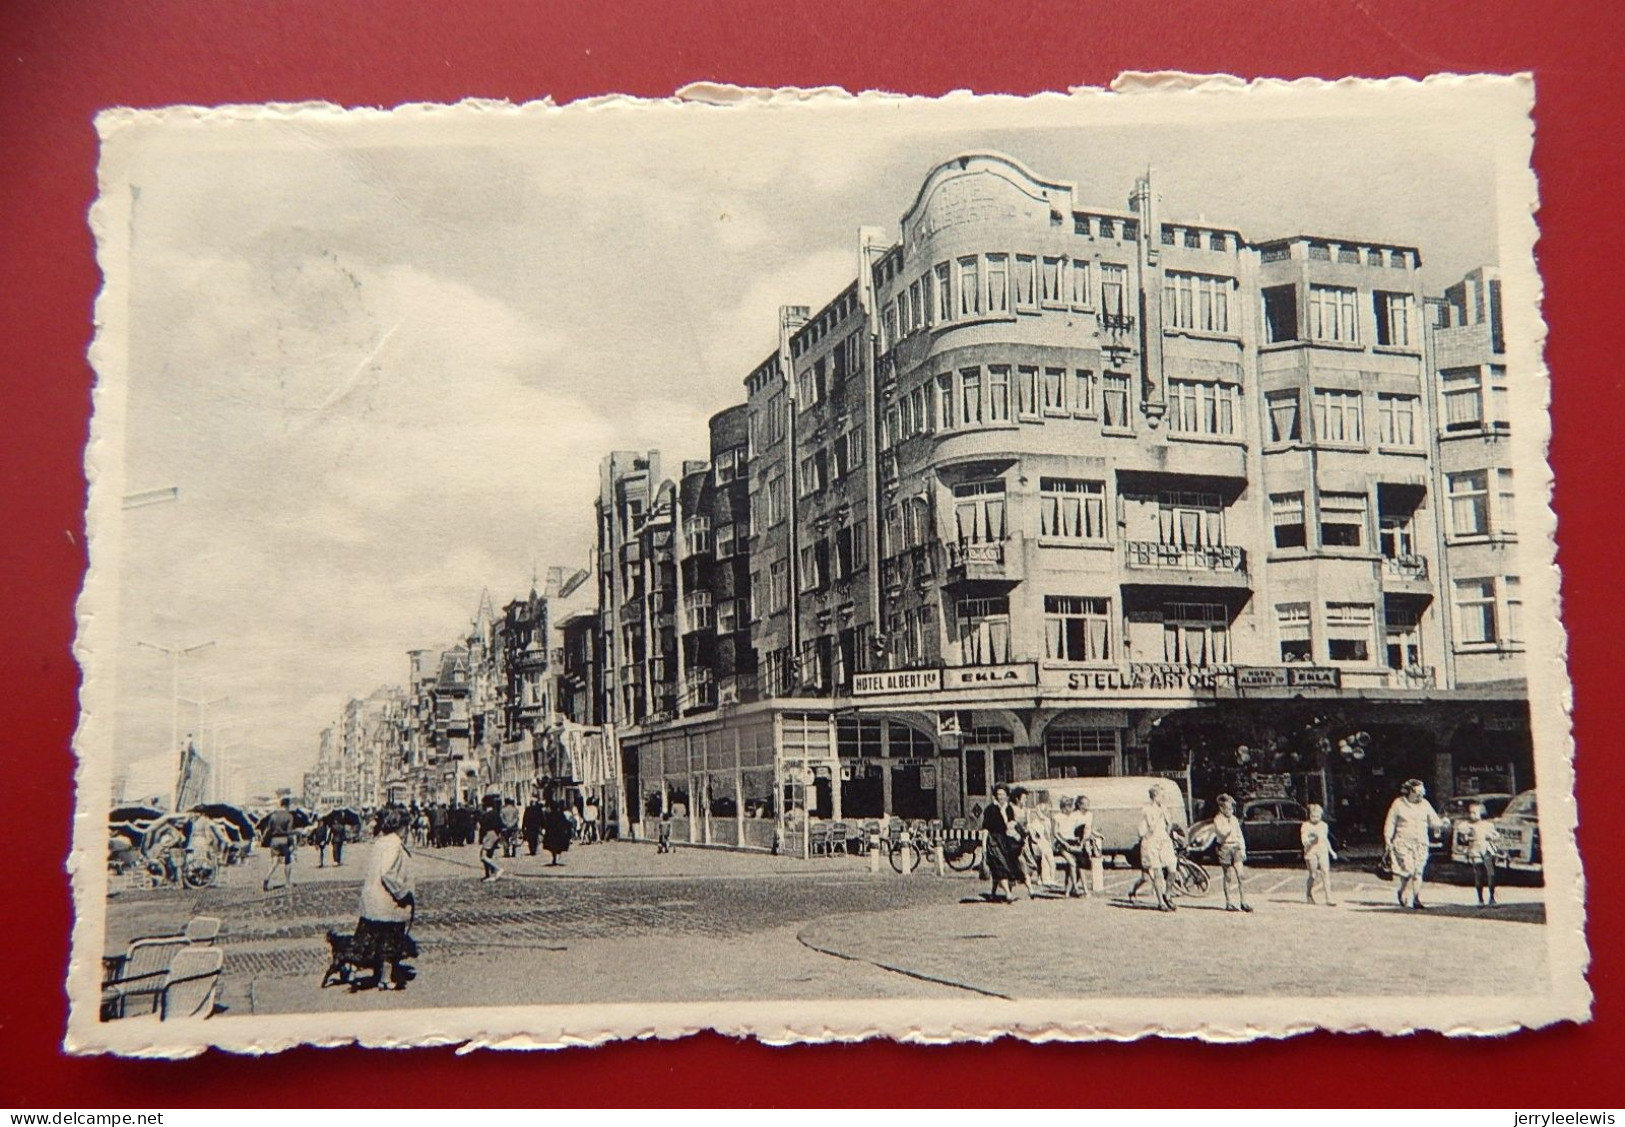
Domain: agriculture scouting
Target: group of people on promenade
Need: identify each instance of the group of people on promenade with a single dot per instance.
(551, 828)
(1029, 846)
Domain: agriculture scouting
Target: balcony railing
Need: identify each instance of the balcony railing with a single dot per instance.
(1406, 567)
(1173, 557)
(1416, 677)
(1116, 322)
(961, 553)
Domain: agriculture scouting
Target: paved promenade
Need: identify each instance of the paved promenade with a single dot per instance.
(619, 922)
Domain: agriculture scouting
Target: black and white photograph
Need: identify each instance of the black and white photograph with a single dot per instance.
(817, 566)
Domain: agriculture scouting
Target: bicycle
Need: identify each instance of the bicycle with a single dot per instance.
(908, 847)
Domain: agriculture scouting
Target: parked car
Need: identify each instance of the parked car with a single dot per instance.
(1271, 826)
(1454, 811)
(1517, 831)
(1116, 801)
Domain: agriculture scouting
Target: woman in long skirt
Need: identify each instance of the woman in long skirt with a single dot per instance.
(1001, 846)
(387, 904)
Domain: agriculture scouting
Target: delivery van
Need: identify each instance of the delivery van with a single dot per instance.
(1115, 801)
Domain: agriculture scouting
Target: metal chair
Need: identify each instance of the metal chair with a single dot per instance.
(838, 837)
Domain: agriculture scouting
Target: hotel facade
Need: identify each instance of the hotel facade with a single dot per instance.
(1055, 489)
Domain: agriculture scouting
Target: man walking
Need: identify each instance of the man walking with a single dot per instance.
(276, 834)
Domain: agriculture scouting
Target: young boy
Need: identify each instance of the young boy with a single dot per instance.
(1475, 840)
(1318, 854)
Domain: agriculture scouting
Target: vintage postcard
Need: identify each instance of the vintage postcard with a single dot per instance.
(819, 566)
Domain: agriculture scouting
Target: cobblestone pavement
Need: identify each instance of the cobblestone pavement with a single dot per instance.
(618, 922)
(615, 921)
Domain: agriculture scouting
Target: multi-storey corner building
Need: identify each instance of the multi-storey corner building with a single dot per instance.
(1060, 489)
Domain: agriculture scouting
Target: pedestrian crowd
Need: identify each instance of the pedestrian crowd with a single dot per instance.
(1029, 846)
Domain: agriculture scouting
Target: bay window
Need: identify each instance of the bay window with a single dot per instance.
(1077, 628)
(984, 630)
(1286, 423)
(1071, 509)
(1338, 417)
(979, 511)
(1332, 314)
(1350, 632)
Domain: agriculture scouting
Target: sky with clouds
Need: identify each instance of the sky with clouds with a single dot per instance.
(382, 357)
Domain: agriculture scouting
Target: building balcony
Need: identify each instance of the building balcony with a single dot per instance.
(1401, 573)
(1221, 566)
(1117, 322)
(986, 561)
(1416, 677)
(632, 613)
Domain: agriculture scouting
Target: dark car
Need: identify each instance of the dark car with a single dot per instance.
(1271, 826)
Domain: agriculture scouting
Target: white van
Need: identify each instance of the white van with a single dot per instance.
(1115, 801)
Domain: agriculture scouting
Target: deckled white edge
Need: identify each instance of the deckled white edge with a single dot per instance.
(786, 1022)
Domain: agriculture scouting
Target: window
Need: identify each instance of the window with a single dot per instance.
(890, 325)
(1337, 417)
(1079, 272)
(860, 545)
(1083, 392)
(1500, 418)
(1050, 281)
(1292, 625)
(998, 393)
(1114, 401)
(1463, 399)
(1475, 611)
(984, 630)
(1027, 391)
(1396, 420)
(1505, 503)
(727, 463)
(1394, 312)
(1190, 520)
(1200, 407)
(1113, 289)
(726, 546)
(1331, 314)
(970, 397)
(1402, 637)
(1197, 301)
(854, 353)
(979, 512)
(945, 402)
(1196, 634)
(776, 508)
(758, 513)
(1286, 514)
(1077, 628)
(998, 283)
(697, 535)
(1069, 509)
(917, 299)
(1396, 535)
(1054, 391)
(916, 522)
(778, 595)
(1285, 423)
(814, 565)
(1350, 632)
(1512, 597)
(943, 285)
(758, 596)
(698, 610)
(970, 290)
(727, 616)
(1026, 281)
(1280, 314)
(1342, 520)
(843, 560)
(1469, 503)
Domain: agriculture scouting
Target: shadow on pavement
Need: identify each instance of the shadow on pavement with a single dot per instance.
(1520, 913)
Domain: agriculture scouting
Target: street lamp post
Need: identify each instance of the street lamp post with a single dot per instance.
(206, 735)
(175, 653)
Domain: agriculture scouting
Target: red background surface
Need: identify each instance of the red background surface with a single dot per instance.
(60, 62)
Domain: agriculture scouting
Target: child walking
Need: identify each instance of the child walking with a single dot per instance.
(1318, 854)
(1475, 840)
(1231, 847)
